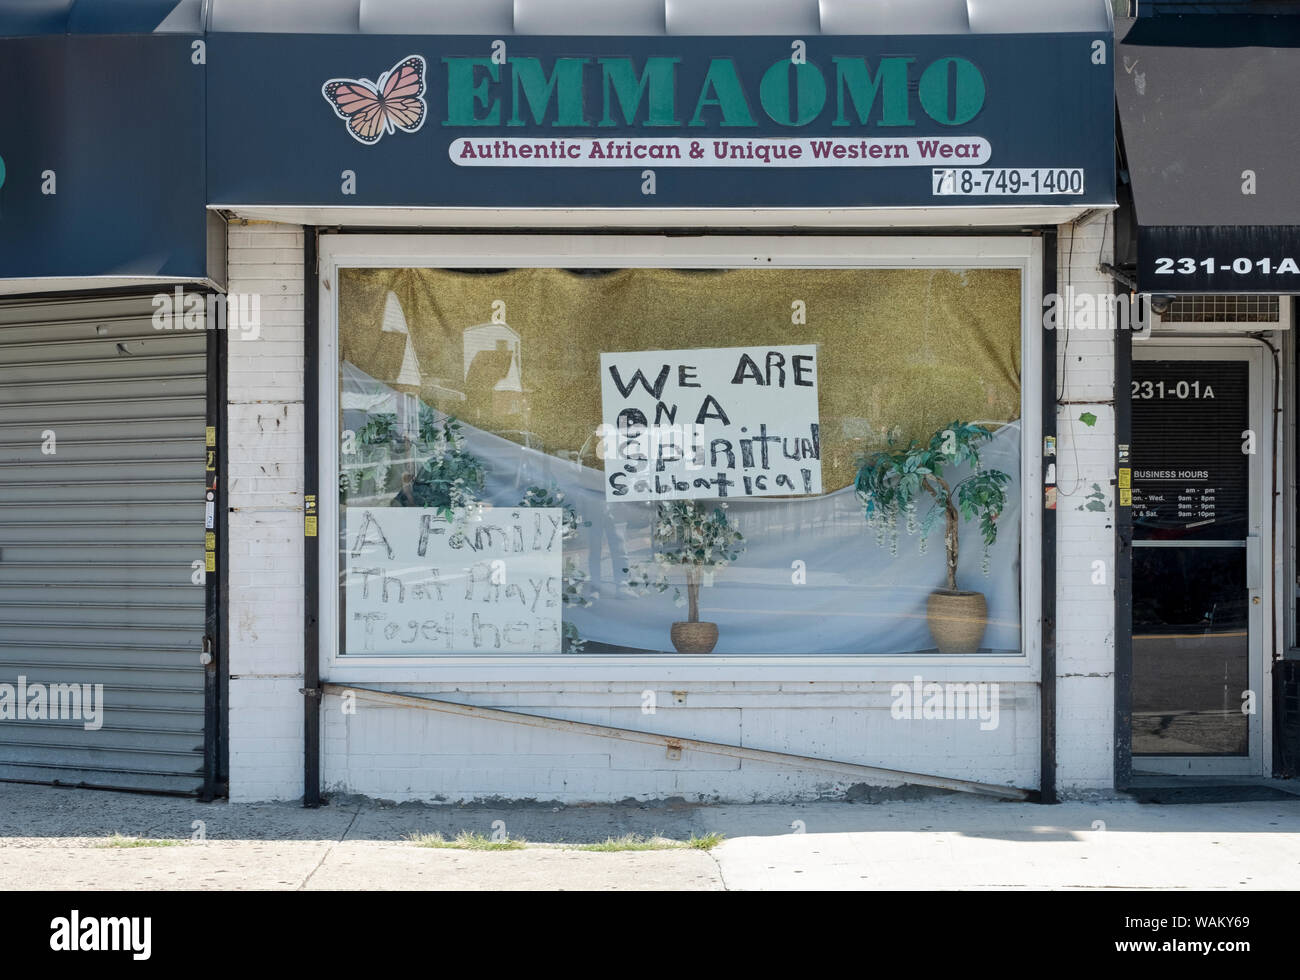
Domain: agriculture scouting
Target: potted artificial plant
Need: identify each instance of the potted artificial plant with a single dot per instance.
(698, 538)
(446, 475)
(891, 482)
(435, 469)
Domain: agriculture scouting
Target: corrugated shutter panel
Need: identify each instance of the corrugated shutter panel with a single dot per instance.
(97, 538)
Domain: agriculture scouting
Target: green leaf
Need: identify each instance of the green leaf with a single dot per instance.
(1088, 419)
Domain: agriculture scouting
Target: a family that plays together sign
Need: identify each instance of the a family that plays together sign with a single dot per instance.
(713, 423)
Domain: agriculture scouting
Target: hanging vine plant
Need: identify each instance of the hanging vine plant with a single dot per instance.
(890, 483)
(575, 583)
(435, 469)
(449, 477)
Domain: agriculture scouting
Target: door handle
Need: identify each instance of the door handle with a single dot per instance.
(1254, 553)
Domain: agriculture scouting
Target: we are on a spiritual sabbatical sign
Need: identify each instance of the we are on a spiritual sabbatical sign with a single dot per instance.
(711, 423)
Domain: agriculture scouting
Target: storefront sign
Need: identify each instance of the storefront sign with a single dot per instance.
(680, 122)
(487, 581)
(590, 121)
(678, 152)
(1219, 259)
(726, 422)
(1192, 445)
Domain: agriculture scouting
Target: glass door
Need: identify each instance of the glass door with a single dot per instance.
(1201, 600)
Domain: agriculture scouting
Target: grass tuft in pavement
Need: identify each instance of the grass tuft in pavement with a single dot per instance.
(707, 842)
(467, 841)
(470, 841)
(117, 840)
(631, 842)
(634, 842)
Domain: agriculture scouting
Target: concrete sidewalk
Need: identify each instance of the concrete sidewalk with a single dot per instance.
(57, 839)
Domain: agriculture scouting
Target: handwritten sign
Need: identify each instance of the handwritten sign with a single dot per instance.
(720, 422)
(487, 581)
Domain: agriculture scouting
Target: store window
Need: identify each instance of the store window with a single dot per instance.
(741, 461)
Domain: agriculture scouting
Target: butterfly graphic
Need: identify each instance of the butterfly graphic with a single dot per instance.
(373, 108)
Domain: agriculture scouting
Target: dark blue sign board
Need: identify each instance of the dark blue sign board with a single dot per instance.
(117, 144)
(103, 157)
(1219, 259)
(575, 122)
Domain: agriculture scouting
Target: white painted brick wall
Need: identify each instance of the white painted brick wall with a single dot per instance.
(408, 754)
(265, 439)
(1085, 624)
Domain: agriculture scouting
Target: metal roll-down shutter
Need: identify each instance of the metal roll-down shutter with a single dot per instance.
(101, 518)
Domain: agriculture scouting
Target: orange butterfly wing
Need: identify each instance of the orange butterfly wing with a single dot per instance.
(359, 105)
(370, 110)
(403, 92)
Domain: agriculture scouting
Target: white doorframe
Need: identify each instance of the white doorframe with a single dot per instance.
(1259, 558)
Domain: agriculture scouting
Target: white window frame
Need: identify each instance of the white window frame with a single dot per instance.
(1023, 253)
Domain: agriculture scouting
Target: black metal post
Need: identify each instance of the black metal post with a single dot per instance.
(214, 539)
(1047, 683)
(311, 542)
(1124, 548)
(222, 624)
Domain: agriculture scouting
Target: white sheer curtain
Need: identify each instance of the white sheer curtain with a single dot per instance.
(859, 594)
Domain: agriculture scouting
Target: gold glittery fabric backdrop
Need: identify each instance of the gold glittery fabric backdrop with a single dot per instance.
(902, 350)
